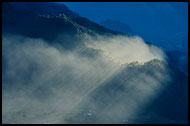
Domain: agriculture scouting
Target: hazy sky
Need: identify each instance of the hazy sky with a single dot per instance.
(158, 22)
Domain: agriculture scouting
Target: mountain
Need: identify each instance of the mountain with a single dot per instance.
(117, 26)
(94, 26)
(61, 68)
(168, 103)
(178, 59)
(45, 8)
(28, 23)
(40, 23)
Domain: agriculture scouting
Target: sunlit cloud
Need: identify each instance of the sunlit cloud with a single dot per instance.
(122, 49)
(43, 84)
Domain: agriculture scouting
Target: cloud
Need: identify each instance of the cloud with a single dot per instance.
(40, 78)
(125, 96)
(45, 84)
(124, 49)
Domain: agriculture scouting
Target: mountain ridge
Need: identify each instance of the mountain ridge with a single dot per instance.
(62, 80)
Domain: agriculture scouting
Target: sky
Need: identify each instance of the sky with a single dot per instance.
(162, 23)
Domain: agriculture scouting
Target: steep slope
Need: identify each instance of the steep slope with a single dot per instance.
(45, 8)
(36, 24)
(117, 26)
(28, 23)
(140, 94)
(45, 83)
(178, 59)
(94, 26)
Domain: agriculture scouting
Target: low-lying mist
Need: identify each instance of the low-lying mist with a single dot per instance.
(44, 84)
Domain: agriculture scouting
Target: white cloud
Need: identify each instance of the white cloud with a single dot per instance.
(43, 84)
(124, 49)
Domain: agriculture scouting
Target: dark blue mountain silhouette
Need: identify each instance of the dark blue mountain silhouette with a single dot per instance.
(57, 23)
(45, 8)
